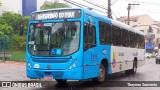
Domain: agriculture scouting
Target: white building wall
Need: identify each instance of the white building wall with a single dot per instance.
(40, 3)
(16, 6)
(11, 5)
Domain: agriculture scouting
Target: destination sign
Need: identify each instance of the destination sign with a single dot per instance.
(56, 14)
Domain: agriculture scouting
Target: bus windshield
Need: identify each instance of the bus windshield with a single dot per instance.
(53, 39)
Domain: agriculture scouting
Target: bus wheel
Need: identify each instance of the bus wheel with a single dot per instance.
(134, 70)
(127, 72)
(61, 80)
(102, 74)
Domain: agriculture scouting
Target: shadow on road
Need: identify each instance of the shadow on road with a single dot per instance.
(88, 84)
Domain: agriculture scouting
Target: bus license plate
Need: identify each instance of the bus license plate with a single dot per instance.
(48, 77)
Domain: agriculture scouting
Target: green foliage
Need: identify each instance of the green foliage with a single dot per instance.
(9, 30)
(0, 3)
(13, 20)
(19, 42)
(50, 5)
(5, 29)
(26, 19)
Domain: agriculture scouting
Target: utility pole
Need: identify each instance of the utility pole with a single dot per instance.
(129, 7)
(109, 9)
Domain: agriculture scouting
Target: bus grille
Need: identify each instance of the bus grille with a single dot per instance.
(49, 61)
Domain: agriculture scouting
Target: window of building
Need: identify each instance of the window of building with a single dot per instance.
(141, 30)
(135, 20)
(134, 26)
(158, 31)
(150, 30)
(157, 40)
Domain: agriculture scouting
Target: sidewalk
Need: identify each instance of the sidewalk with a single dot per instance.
(12, 71)
(12, 63)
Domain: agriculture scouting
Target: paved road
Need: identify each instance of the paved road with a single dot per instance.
(13, 71)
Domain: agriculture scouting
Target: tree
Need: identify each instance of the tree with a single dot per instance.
(9, 29)
(0, 3)
(50, 5)
(12, 19)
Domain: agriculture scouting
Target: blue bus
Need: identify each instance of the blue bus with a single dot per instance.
(78, 44)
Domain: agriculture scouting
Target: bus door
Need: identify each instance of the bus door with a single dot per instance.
(90, 63)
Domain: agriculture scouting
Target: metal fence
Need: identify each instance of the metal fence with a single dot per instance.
(4, 50)
(7, 51)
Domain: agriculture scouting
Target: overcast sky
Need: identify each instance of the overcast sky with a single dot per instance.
(150, 7)
(119, 7)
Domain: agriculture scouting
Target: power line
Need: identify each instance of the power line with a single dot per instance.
(103, 7)
(148, 10)
(117, 11)
(114, 2)
(95, 4)
(72, 3)
(80, 5)
(147, 2)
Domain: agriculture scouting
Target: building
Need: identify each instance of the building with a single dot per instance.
(23, 7)
(150, 28)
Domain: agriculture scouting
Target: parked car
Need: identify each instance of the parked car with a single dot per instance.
(158, 59)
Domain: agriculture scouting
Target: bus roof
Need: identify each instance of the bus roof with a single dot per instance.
(57, 9)
(92, 13)
(114, 22)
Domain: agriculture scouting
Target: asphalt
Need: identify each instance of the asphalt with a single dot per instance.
(15, 71)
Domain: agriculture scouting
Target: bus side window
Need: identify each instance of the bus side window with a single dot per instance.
(133, 39)
(125, 38)
(89, 36)
(105, 33)
(116, 36)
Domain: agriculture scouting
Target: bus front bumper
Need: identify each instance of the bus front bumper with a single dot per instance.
(71, 74)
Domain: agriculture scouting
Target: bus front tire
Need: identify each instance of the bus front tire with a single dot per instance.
(102, 74)
(61, 80)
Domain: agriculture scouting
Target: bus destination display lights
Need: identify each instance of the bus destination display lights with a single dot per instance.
(56, 15)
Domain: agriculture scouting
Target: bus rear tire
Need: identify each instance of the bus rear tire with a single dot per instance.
(134, 70)
(102, 74)
(61, 80)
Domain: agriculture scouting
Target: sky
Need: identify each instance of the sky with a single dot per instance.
(150, 7)
(119, 7)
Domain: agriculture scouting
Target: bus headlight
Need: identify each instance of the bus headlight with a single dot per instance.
(29, 65)
(36, 66)
(73, 65)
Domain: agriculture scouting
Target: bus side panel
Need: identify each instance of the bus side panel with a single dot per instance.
(141, 57)
(90, 59)
(123, 57)
(104, 51)
(94, 56)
